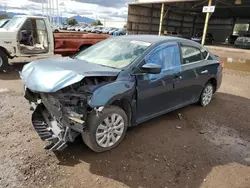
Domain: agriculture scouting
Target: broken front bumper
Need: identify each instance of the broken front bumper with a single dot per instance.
(52, 124)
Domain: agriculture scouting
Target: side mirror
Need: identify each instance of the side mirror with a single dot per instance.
(151, 68)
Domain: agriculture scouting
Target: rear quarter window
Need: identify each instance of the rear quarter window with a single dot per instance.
(204, 53)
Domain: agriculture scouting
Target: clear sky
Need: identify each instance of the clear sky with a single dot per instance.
(101, 9)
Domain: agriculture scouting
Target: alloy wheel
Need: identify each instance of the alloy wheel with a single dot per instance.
(110, 131)
(207, 95)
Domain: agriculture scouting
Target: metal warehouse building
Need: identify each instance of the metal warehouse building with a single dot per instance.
(186, 16)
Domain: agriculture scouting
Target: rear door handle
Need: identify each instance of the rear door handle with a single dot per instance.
(204, 72)
(178, 77)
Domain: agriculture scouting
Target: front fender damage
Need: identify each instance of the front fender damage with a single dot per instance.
(61, 116)
(109, 93)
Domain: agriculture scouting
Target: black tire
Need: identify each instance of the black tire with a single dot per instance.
(4, 61)
(202, 101)
(94, 120)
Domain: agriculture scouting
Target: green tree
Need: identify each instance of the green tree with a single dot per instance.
(71, 21)
(97, 22)
(240, 27)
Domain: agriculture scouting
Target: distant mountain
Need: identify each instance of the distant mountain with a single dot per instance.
(83, 19)
(10, 14)
(79, 19)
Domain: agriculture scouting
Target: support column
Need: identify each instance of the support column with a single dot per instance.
(193, 26)
(50, 11)
(182, 24)
(161, 19)
(206, 24)
(151, 19)
(233, 24)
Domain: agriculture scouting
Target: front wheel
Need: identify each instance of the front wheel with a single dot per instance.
(4, 61)
(105, 130)
(207, 94)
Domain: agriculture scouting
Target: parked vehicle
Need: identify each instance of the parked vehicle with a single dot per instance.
(113, 30)
(64, 27)
(244, 41)
(3, 22)
(97, 29)
(77, 28)
(198, 38)
(122, 31)
(33, 37)
(100, 30)
(172, 33)
(115, 84)
(231, 39)
(82, 28)
(90, 28)
(69, 43)
(87, 28)
(175, 34)
(106, 30)
(71, 28)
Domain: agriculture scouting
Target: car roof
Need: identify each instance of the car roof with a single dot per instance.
(156, 39)
(29, 16)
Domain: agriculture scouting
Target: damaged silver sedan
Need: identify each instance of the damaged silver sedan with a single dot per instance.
(115, 84)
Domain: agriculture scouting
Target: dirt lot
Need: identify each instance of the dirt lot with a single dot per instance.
(207, 147)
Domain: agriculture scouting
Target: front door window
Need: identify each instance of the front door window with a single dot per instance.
(33, 37)
(168, 56)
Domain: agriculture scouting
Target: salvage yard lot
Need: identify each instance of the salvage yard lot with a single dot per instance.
(201, 147)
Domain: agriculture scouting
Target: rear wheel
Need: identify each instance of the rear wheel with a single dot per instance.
(105, 130)
(4, 62)
(207, 94)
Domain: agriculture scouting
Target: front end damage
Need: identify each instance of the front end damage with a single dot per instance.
(61, 116)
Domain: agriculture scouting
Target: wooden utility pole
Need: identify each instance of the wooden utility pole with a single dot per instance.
(161, 19)
(206, 24)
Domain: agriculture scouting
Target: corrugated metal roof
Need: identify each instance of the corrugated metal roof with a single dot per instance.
(160, 1)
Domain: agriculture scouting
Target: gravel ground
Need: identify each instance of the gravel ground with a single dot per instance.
(201, 147)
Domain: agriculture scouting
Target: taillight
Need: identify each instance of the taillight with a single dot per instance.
(221, 63)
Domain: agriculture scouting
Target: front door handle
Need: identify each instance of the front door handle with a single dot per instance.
(204, 72)
(178, 77)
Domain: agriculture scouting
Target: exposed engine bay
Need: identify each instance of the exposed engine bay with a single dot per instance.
(60, 117)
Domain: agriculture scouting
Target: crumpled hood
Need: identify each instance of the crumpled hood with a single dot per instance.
(51, 75)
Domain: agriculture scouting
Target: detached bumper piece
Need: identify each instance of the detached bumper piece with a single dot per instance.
(52, 125)
(45, 133)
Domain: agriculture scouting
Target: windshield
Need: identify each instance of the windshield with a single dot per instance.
(3, 22)
(14, 23)
(114, 52)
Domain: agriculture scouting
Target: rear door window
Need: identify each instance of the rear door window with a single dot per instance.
(190, 54)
